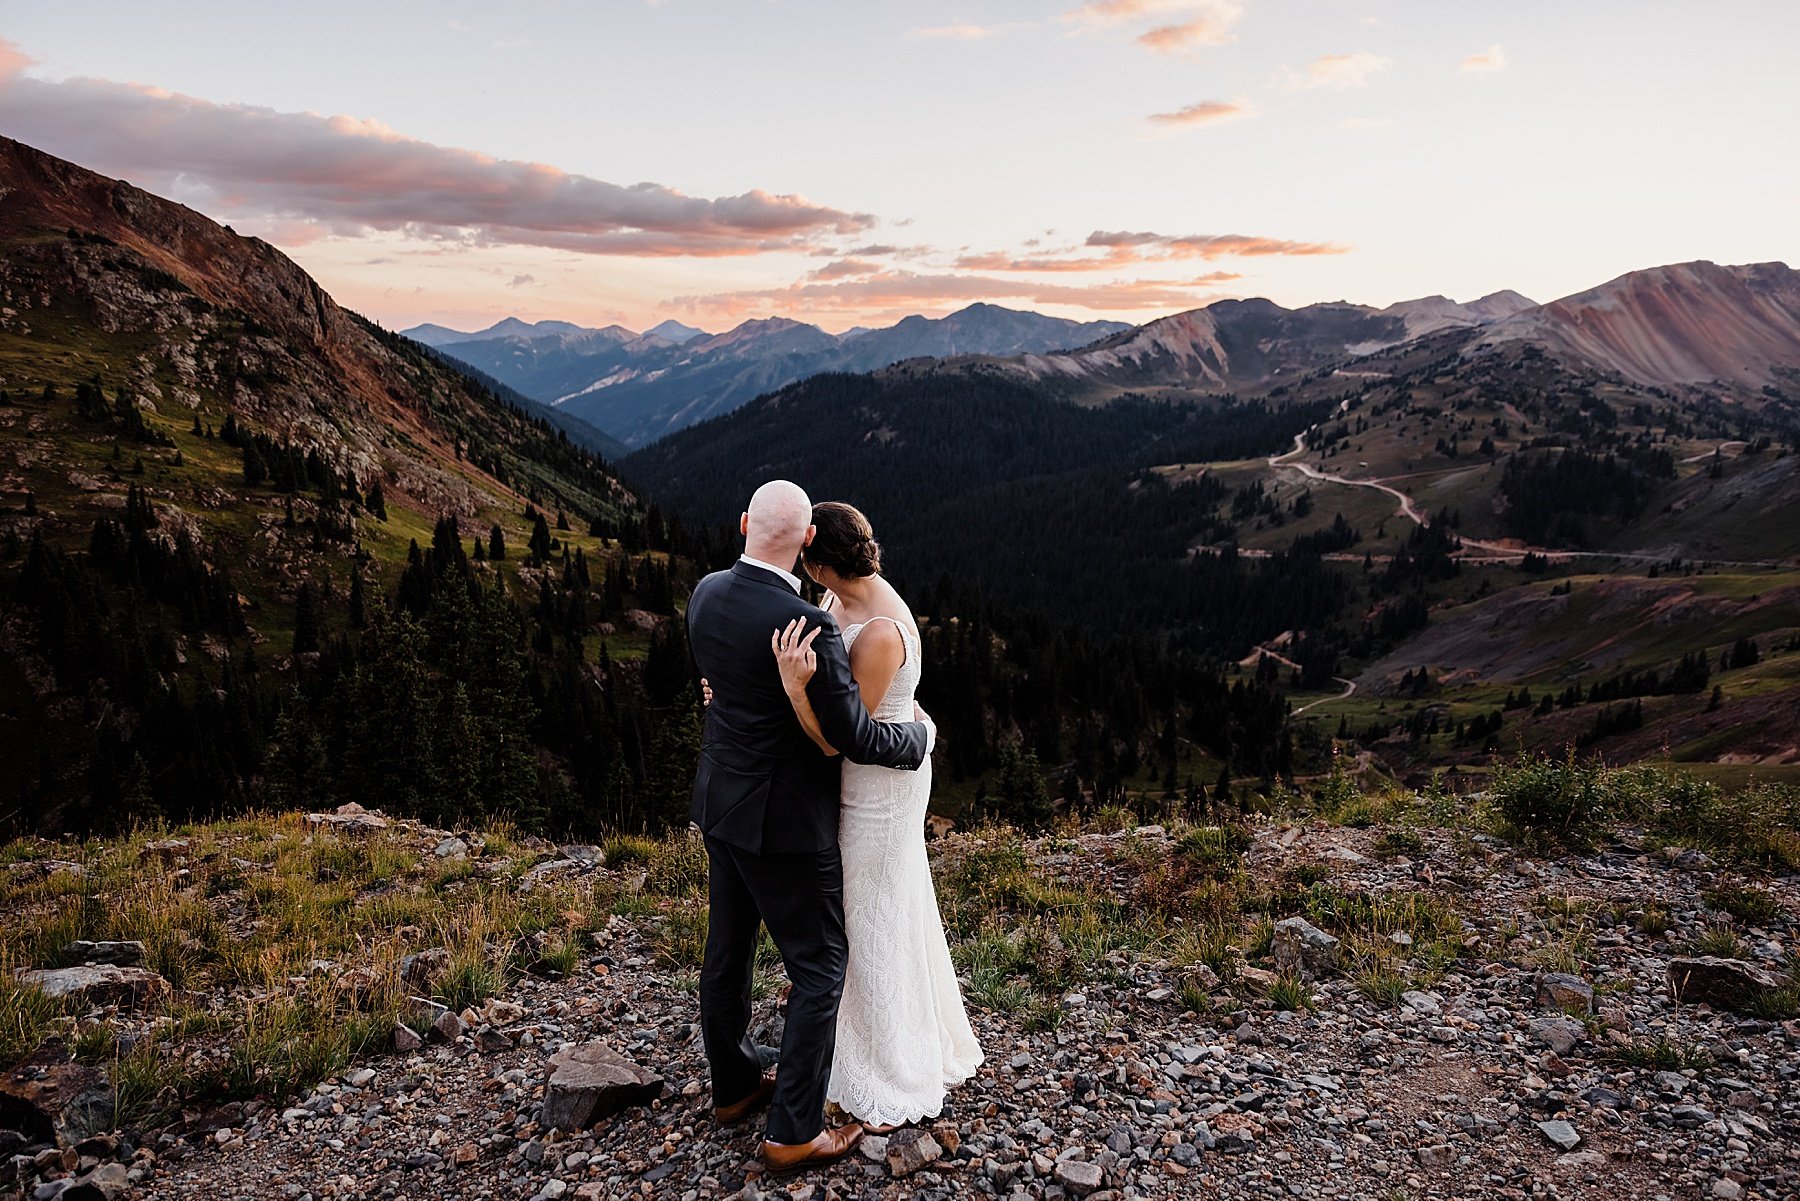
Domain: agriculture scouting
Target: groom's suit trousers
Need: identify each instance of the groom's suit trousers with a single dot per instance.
(800, 897)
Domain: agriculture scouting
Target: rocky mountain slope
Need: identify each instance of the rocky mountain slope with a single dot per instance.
(215, 480)
(1327, 1005)
(102, 278)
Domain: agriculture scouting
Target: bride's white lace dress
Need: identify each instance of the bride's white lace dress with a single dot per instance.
(903, 1038)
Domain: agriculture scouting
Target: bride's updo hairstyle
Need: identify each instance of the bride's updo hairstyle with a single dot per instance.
(845, 542)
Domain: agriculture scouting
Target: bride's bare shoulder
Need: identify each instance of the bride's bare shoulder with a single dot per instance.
(899, 611)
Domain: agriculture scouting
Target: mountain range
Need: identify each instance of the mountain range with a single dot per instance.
(639, 387)
(1684, 325)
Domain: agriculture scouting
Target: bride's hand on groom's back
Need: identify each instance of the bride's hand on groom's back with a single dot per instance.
(794, 654)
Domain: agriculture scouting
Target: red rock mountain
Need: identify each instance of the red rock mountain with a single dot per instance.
(161, 300)
(1685, 324)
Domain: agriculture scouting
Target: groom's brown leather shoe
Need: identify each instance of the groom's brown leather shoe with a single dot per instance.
(784, 1159)
(737, 1111)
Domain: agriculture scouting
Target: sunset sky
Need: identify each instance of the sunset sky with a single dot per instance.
(849, 163)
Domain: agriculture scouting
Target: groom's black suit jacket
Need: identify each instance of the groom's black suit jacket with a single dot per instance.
(762, 785)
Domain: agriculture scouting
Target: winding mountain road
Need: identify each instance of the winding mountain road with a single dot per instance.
(1501, 552)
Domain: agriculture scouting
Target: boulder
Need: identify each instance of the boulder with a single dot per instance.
(351, 818)
(1571, 994)
(121, 953)
(49, 1099)
(167, 849)
(98, 984)
(1078, 1176)
(1559, 1034)
(106, 1182)
(1302, 949)
(1719, 982)
(910, 1149)
(1256, 979)
(452, 848)
(591, 1082)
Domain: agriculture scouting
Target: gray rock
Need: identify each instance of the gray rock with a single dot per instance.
(591, 1082)
(490, 1041)
(1722, 983)
(910, 1149)
(349, 818)
(1420, 1002)
(405, 1038)
(1559, 1034)
(451, 848)
(1079, 1176)
(1561, 1133)
(167, 849)
(1571, 994)
(99, 984)
(120, 953)
(1438, 1155)
(107, 1182)
(1302, 949)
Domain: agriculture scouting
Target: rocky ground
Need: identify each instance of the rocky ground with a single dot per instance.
(1491, 1073)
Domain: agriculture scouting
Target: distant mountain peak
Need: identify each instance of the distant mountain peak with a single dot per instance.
(507, 327)
(674, 331)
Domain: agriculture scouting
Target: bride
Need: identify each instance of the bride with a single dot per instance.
(903, 1038)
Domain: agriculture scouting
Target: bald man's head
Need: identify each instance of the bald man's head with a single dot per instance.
(777, 523)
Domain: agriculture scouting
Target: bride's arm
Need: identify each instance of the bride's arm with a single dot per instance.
(795, 656)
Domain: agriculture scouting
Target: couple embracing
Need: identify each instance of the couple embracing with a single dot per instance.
(813, 780)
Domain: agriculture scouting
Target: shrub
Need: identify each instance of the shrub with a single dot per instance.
(1290, 994)
(1752, 906)
(1550, 801)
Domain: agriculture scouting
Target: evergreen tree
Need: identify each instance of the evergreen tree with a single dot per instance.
(540, 541)
(1023, 800)
(255, 470)
(306, 620)
(376, 501)
(359, 614)
(496, 543)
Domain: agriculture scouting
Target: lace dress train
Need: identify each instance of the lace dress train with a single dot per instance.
(903, 1036)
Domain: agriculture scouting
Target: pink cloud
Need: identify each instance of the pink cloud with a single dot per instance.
(1337, 71)
(1207, 112)
(1485, 63)
(842, 268)
(1172, 39)
(1210, 246)
(351, 176)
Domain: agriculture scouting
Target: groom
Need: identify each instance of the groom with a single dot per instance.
(767, 801)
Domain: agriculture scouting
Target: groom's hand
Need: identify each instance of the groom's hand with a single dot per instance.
(919, 715)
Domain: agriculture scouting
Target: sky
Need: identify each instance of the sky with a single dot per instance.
(848, 163)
